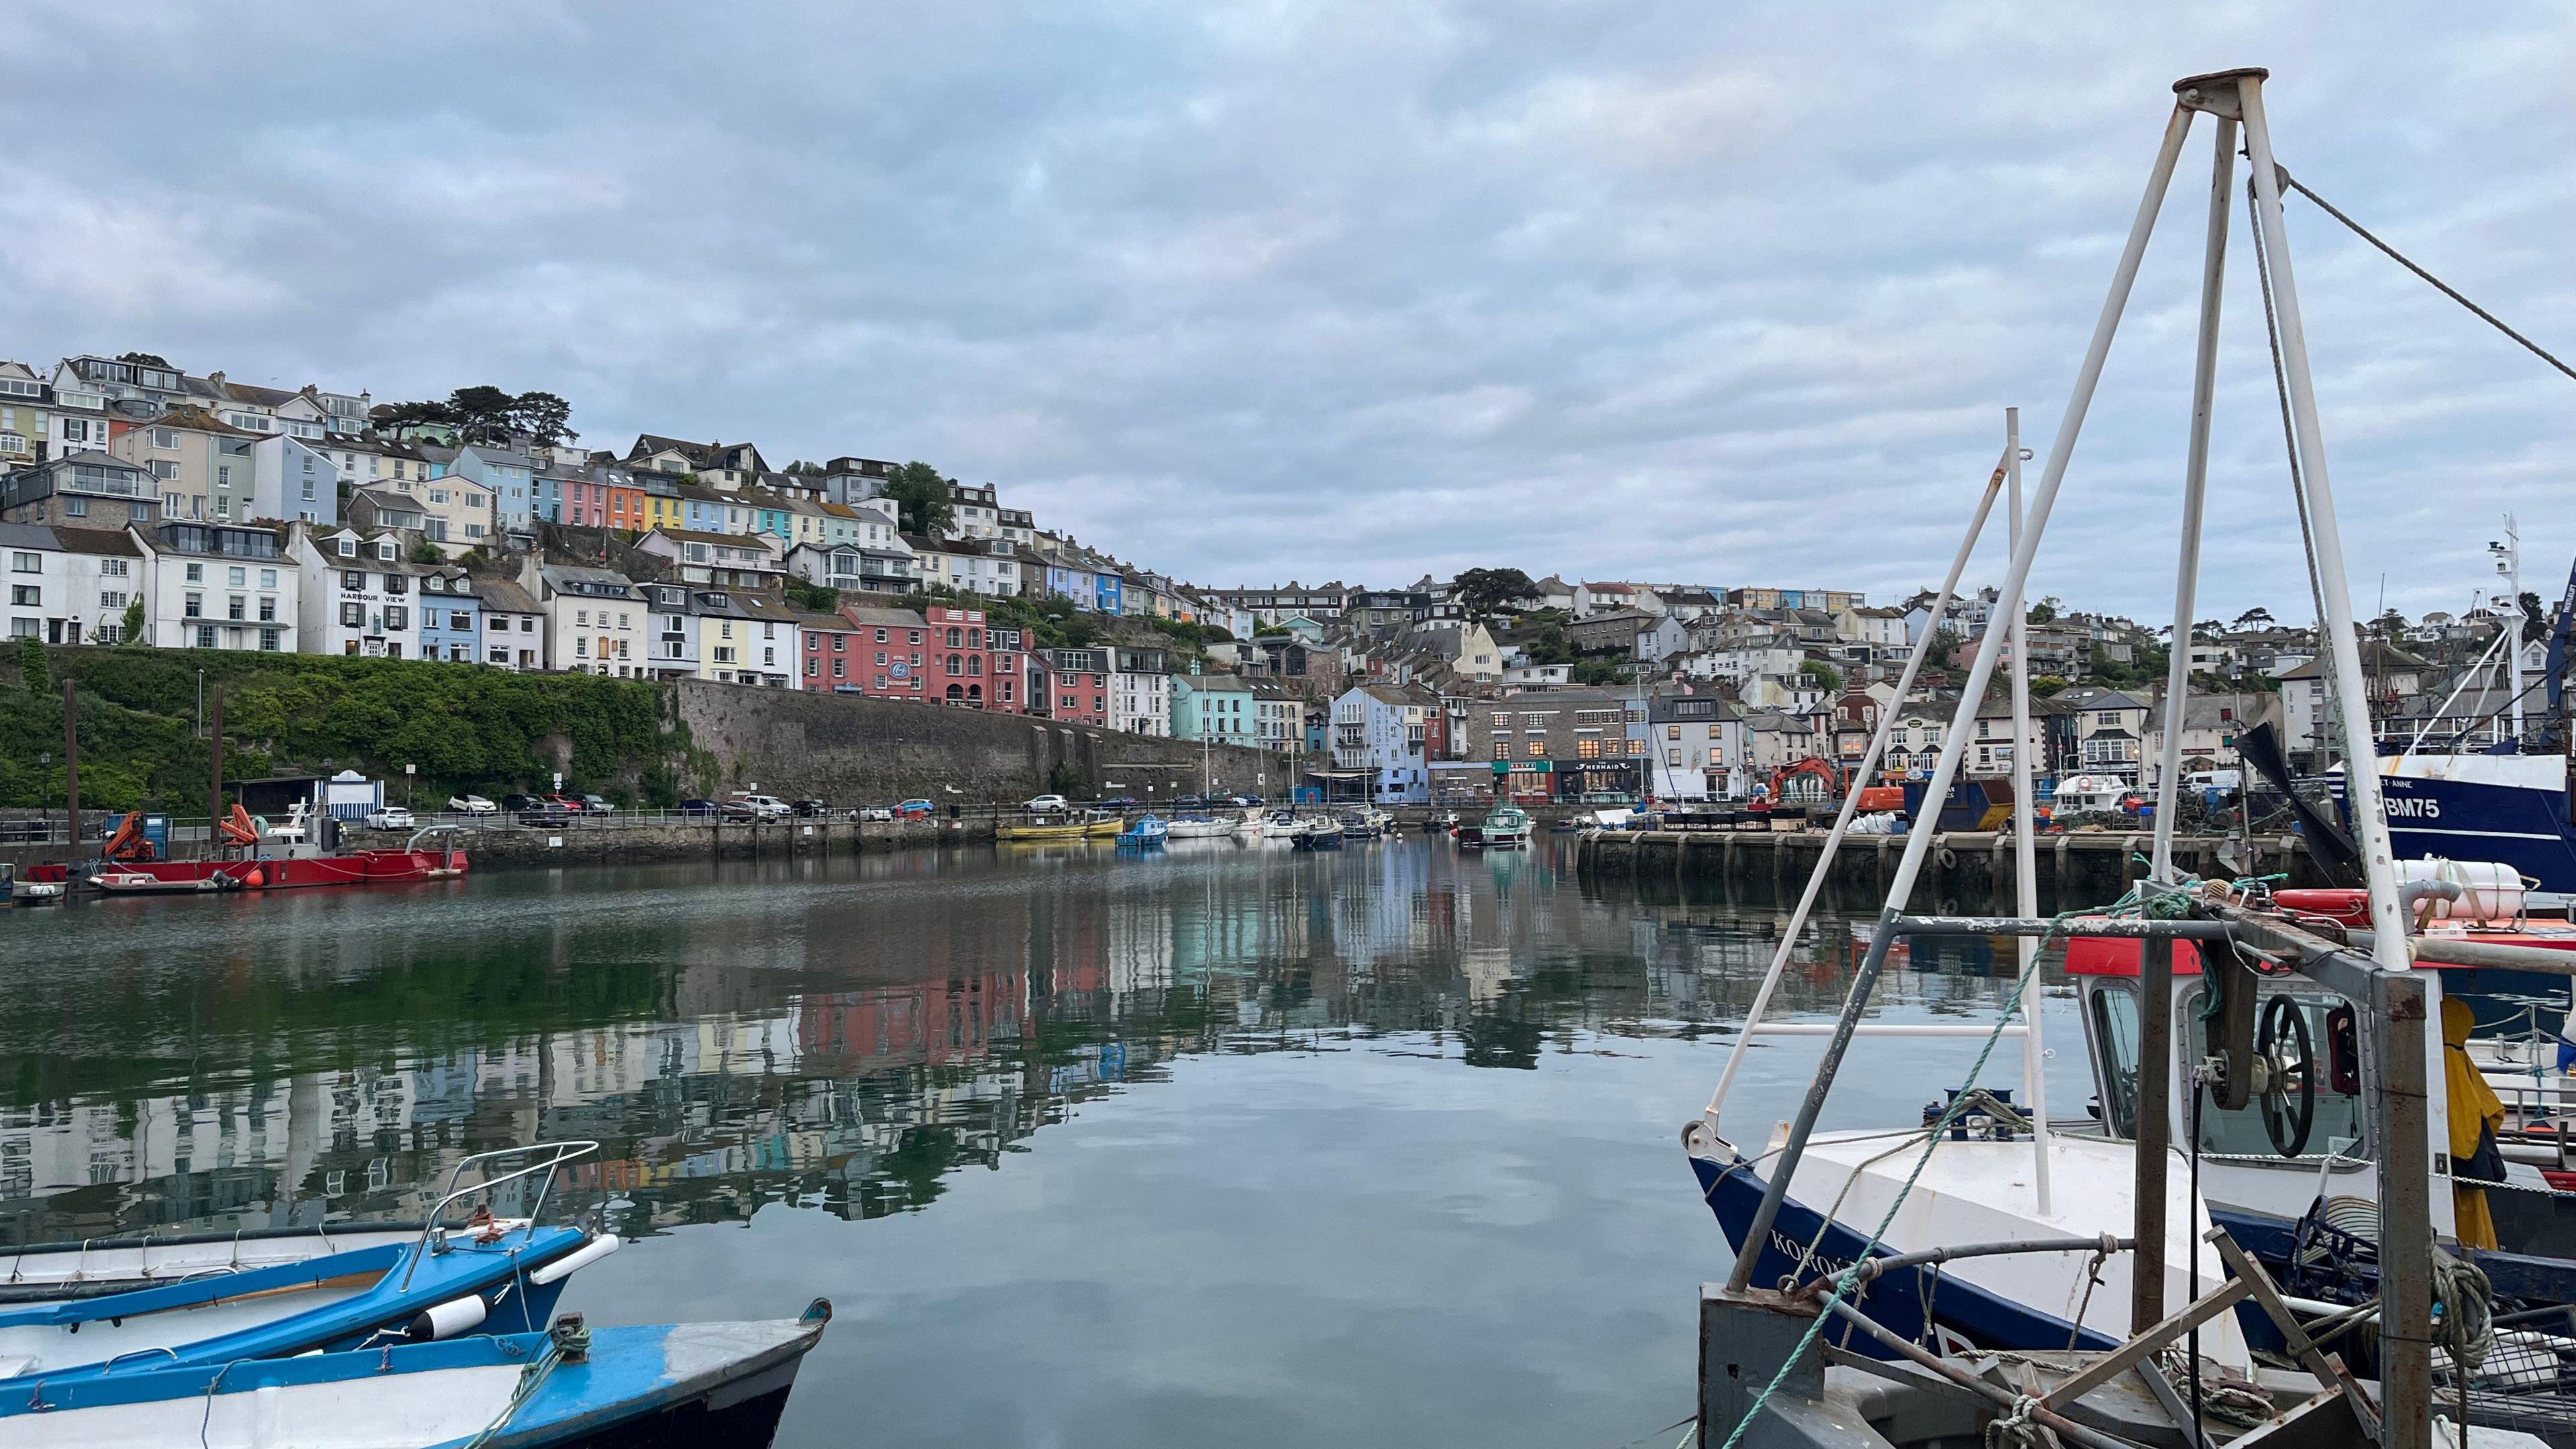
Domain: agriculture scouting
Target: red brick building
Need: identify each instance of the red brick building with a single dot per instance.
(832, 656)
(970, 663)
(887, 652)
(1077, 685)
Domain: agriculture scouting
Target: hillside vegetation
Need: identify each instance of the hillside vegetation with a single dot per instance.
(466, 728)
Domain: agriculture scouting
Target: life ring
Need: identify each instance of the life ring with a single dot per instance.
(254, 878)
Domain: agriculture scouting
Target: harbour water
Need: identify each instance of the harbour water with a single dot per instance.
(1228, 1142)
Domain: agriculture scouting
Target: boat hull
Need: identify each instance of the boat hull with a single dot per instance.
(189, 877)
(1963, 1313)
(712, 1384)
(2525, 826)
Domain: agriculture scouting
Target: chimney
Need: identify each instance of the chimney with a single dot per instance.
(217, 378)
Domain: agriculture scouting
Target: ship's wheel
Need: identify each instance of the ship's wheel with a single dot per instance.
(2288, 1075)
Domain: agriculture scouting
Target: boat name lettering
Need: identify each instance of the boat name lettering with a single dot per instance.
(2421, 809)
(1818, 1265)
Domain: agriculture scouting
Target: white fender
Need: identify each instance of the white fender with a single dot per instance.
(581, 1257)
(448, 1319)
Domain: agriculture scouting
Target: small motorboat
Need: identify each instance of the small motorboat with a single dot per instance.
(1356, 825)
(144, 883)
(1506, 827)
(1317, 834)
(571, 1385)
(1148, 833)
(1199, 825)
(1281, 825)
(1084, 825)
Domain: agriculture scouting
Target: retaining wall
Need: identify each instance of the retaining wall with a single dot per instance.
(850, 749)
(2078, 866)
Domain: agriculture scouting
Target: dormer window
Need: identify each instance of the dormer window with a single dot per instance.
(348, 548)
(385, 549)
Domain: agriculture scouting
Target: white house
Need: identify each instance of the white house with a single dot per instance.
(67, 585)
(1140, 691)
(358, 596)
(219, 586)
(595, 624)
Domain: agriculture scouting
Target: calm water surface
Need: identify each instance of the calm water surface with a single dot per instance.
(1231, 1143)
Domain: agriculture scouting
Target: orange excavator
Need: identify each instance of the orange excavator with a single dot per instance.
(1831, 780)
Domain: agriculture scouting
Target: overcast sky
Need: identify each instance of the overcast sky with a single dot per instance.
(1732, 293)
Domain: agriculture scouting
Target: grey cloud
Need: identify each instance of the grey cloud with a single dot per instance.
(1731, 293)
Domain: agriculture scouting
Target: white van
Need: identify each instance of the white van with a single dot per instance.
(2214, 780)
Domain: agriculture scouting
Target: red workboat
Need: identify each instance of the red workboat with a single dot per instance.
(125, 869)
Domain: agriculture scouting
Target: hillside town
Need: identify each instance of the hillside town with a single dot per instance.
(147, 506)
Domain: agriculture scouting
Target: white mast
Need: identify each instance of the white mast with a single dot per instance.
(2508, 557)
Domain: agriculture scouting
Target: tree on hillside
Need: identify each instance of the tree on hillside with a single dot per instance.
(921, 495)
(1943, 644)
(1487, 592)
(544, 417)
(2044, 611)
(1826, 677)
(134, 621)
(486, 414)
(2257, 617)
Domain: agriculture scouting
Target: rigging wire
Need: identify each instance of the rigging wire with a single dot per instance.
(2281, 385)
(2445, 288)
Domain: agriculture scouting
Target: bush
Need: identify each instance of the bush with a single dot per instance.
(32, 670)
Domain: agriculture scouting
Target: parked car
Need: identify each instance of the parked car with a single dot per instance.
(744, 805)
(472, 805)
(695, 806)
(595, 805)
(569, 804)
(1047, 803)
(811, 810)
(543, 816)
(873, 812)
(520, 802)
(389, 817)
(1119, 802)
(915, 810)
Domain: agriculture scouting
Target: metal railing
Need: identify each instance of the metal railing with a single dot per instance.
(433, 1231)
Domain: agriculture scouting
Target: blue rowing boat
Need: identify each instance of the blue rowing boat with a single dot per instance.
(720, 1385)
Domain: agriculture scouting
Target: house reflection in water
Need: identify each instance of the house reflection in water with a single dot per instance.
(844, 1036)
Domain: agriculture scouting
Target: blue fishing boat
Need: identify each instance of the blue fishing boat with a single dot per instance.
(1148, 833)
(438, 1280)
(571, 1387)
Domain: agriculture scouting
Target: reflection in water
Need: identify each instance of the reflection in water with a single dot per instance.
(843, 1035)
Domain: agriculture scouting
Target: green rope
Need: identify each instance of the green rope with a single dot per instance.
(561, 1344)
(2139, 902)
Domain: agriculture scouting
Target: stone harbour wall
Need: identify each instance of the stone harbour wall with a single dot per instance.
(852, 750)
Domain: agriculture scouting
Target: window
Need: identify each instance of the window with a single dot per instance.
(1536, 749)
(268, 639)
(813, 667)
(165, 470)
(26, 563)
(111, 598)
(165, 437)
(76, 507)
(194, 607)
(236, 607)
(353, 616)
(460, 621)
(205, 636)
(236, 577)
(26, 595)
